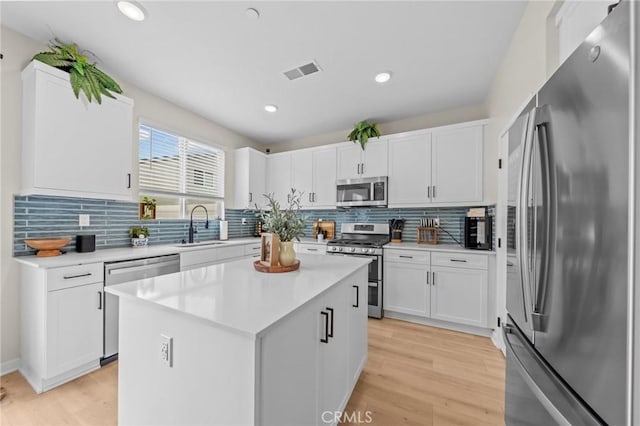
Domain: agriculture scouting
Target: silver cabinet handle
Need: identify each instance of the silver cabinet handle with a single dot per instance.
(405, 257)
(362, 168)
(99, 300)
(70, 277)
(312, 249)
(310, 197)
(428, 278)
(314, 197)
(433, 281)
(458, 260)
(434, 191)
(428, 191)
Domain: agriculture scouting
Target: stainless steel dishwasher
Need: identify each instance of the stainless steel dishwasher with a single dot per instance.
(121, 272)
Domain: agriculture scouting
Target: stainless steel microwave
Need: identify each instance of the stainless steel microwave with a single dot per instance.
(362, 192)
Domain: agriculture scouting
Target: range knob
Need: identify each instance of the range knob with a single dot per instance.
(352, 249)
(371, 250)
(364, 250)
(339, 248)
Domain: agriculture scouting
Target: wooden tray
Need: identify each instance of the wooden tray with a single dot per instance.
(276, 269)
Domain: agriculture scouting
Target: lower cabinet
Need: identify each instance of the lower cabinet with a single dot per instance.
(447, 286)
(61, 323)
(310, 248)
(311, 361)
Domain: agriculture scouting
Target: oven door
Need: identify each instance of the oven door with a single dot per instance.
(375, 283)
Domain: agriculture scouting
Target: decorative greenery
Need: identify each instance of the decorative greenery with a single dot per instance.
(84, 76)
(137, 231)
(149, 207)
(287, 223)
(363, 131)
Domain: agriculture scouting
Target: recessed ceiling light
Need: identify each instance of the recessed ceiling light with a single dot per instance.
(270, 108)
(131, 10)
(383, 77)
(252, 14)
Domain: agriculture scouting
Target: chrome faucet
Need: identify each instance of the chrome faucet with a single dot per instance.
(206, 224)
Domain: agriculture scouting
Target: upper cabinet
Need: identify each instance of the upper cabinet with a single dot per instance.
(444, 166)
(314, 174)
(72, 147)
(251, 169)
(353, 162)
(279, 177)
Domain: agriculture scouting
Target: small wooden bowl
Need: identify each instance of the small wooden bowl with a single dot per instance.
(48, 246)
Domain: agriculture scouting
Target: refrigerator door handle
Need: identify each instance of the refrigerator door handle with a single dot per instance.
(522, 216)
(543, 119)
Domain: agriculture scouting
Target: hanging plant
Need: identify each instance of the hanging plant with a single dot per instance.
(84, 76)
(363, 131)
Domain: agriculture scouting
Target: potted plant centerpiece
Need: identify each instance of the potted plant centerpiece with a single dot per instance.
(139, 236)
(287, 223)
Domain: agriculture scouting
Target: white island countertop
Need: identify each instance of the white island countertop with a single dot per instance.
(237, 297)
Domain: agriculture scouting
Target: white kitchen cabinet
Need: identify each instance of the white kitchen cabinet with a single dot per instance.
(449, 286)
(310, 248)
(250, 173)
(357, 305)
(253, 250)
(204, 256)
(459, 295)
(72, 147)
(444, 166)
(353, 162)
(406, 288)
(458, 160)
(314, 173)
(61, 323)
(410, 169)
(279, 179)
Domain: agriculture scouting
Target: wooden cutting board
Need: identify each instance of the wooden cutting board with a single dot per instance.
(328, 226)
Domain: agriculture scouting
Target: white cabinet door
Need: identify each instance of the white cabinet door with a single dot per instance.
(288, 369)
(73, 147)
(349, 160)
(458, 165)
(324, 178)
(406, 288)
(459, 295)
(74, 327)
(375, 159)
(333, 354)
(302, 175)
(251, 174)
(279, 177)
(410, 170)
(358, 324)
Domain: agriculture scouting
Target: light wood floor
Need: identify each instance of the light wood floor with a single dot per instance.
(415, 375)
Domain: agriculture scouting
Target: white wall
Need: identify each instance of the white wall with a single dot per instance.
(18, 51)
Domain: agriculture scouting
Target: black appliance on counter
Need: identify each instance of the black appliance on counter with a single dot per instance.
(478, 233)
(85, 243)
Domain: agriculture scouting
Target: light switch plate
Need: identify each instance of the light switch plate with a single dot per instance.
(84, 220)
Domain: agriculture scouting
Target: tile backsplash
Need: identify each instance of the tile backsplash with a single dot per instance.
(37, 216)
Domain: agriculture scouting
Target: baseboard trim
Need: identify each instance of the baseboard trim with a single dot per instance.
(479, 331)
(9, 366)
(498, 342)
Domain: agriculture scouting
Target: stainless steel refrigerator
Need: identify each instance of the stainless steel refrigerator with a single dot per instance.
(567, 239)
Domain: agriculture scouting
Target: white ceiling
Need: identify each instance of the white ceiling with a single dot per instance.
(209, 58)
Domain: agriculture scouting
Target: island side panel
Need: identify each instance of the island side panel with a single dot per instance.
(211, 380)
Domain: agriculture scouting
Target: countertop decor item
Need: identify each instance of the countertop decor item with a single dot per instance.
(326, 227)
(363, 131)
(84, 76)
(270, 249)
(139, 236)
(48, 246)
(288, 224)
(147, 208)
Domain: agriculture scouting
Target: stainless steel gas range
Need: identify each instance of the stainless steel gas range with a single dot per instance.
(365, 240)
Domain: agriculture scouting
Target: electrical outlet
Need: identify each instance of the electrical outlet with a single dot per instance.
(84, 220)
(244, 220)
(166, 350)
(436, 221)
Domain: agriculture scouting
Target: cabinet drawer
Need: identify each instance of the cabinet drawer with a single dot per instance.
(198, 257)
(73, 276)
(407, 256)
(460, 260)
(312, 248)
(251, 249)
(229, 252)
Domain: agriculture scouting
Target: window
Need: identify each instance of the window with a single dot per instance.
(179, 173)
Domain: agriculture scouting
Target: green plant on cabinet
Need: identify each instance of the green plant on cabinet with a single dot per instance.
(363, 131)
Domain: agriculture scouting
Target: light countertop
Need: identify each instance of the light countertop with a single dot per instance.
(438, 247)
(236, 296)
(120, 253)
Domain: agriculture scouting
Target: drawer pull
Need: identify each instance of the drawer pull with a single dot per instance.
(70, 277)
(312, 249)
(255, 248)
(405, 257)
(458, 260)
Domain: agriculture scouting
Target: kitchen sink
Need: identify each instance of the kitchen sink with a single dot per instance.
(202, 243)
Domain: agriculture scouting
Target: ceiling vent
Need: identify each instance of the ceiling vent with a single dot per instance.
(302, 70)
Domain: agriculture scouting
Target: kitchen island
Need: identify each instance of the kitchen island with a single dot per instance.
(246, 348)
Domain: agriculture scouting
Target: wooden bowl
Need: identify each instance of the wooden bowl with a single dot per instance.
(48, 246)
